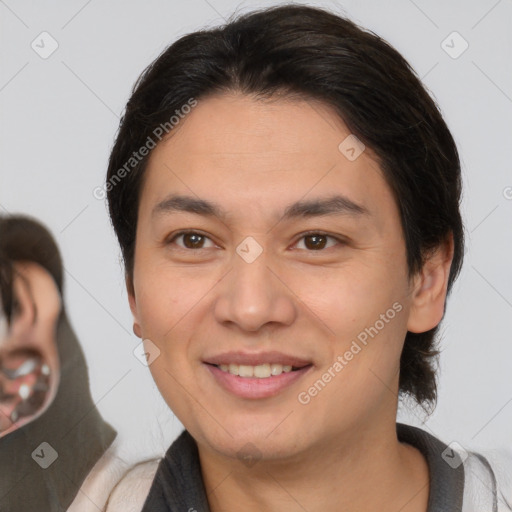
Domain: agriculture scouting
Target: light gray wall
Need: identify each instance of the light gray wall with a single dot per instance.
(59, 116)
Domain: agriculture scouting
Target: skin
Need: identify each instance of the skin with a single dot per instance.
(254, 158)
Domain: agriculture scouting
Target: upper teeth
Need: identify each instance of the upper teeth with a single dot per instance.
(262, 371)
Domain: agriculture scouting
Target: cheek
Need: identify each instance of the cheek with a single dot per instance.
(365, 312)
(351, 298)
(168, 296)
(161, 302)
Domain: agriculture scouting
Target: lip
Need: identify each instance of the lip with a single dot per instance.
(252, 387)
(255, 359)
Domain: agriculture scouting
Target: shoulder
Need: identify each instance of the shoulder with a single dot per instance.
(488, 478)
(131, 491)
(98, 484)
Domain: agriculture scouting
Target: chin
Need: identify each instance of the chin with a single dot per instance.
(247, 438)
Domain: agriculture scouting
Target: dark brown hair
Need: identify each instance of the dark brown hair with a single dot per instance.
(6, 287)
(308, 52)
(23, 238)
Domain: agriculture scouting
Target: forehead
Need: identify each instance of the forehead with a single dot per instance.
(259, 127)
(241, 153)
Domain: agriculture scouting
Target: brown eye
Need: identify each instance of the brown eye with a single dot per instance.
(318, 241)
(191, 240)
(315, 241)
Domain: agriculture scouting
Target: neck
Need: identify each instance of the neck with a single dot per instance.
(364, 470)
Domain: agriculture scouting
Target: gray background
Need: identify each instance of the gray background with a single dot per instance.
(59, 116)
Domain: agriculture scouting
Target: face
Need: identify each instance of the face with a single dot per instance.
(277, 319)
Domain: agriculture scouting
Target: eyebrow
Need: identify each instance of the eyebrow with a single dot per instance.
(332, 205)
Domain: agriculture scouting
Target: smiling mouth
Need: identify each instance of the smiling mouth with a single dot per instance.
(261, 371)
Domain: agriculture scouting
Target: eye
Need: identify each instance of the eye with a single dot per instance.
(191, 240)
(315, 241)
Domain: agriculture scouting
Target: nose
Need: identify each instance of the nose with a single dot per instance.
(253, 295)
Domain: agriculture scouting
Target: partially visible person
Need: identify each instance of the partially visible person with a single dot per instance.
(56, 451)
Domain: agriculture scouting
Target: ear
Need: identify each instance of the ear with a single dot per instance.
(130, 289)
(430, 288)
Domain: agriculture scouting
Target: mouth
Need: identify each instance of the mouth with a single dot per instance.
(256, 376)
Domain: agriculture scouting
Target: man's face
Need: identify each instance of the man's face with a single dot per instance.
(267, 286)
